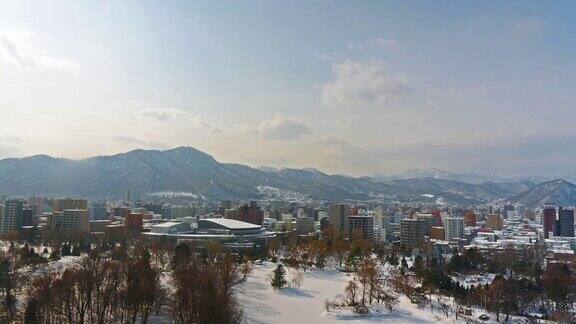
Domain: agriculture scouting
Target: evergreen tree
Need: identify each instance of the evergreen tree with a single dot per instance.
(279, 278)
(55, 255)
(66, 249)
(354, 258)
(181, 254)
(418, 263)
(392, 259)
(31, 313)
(320, 261)
(75, 250)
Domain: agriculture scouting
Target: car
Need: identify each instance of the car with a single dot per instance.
(483, 317)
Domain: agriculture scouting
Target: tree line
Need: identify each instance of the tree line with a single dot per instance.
(123, 284)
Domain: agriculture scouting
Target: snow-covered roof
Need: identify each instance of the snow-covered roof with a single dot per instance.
(167, 224)
(231, 223)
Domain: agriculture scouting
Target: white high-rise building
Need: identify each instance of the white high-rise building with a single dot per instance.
(381, 225)
(453, 228)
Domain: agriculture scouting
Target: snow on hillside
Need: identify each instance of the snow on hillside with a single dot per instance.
(262, 304)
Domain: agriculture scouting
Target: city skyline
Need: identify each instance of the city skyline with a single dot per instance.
(482, 87)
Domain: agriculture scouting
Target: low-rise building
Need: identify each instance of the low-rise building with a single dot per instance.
(305, 225)
(99, 226)
(228, 233)
(170, 227)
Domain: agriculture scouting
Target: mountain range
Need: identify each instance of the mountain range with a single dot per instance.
(559, 191)
(473, 178)
(190, 171)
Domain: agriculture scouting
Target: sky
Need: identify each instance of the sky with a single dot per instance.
(351, 87)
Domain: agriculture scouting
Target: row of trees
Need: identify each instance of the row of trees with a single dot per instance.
(127, 284)
(96, 290)
(333, 249)
(524, 283)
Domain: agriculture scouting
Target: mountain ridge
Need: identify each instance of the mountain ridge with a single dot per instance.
(560, 192)
(186, 169)
(472, 178)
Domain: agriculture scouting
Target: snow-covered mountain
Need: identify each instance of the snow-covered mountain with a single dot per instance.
(190, 171)
(561, 192)
(472, 178)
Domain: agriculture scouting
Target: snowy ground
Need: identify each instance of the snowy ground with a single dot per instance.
(262, 304)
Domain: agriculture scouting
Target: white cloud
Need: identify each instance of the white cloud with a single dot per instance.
(203, 122)
(364, 83)
(179, 117)
(25, 50)
(283, 128)
(162, 114)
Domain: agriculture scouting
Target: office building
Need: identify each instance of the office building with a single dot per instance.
(438, 215)
(27, 217)
(121, 211)
(134, 222)
(379, 218)
(428, 221)
(508, 211)
(397, 217)
(275, 214)
(70, 221)
(98, 211)
(363, 225)
(549, 219)
(99, 226)
(565, 222)
(454, 228)
(39, 205)
(495, 222)
(69, 203)
(153, 207)
(339, 214)
(12, 218)
(470, 219)
(249, 213)
(305, 225)
(312, 213)
(324, 223)
(437, 233)
(411, 232)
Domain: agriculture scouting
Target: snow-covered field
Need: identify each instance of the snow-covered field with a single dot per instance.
(262, 304)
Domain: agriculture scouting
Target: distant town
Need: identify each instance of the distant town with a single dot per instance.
(241, 225)
(461, 254)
